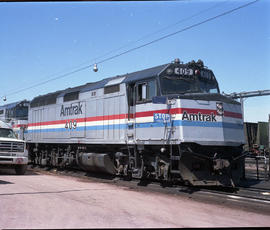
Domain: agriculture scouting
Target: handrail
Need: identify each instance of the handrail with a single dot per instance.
(266, 175)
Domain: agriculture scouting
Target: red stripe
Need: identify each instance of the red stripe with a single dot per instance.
(50, 122)
(18, 126)
(98, 118)
(232, 114)
(107, 117)
(140, 114)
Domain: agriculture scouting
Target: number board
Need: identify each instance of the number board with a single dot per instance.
(162, 117)
(183, 71)
(206, 75)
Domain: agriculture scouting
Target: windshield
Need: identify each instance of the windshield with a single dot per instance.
(206, 87)
(176, 85)
(8, 133)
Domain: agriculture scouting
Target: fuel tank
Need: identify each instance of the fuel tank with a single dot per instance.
(96, 162)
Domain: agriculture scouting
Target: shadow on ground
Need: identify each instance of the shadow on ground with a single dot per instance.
(11, 172)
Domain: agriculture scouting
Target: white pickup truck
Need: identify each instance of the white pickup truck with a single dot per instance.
(13, 153)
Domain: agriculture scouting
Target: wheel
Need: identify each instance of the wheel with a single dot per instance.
(20, 169)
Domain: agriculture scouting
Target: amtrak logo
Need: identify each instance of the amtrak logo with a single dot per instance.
(220, 110)
(199, 117)
(73, 109)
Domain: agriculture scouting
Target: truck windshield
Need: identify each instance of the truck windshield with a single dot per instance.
(8, 133)
(176, 85)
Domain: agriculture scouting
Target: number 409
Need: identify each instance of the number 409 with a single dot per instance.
(71, 124)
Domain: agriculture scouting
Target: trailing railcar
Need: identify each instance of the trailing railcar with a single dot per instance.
(169, 122)
(16, 115)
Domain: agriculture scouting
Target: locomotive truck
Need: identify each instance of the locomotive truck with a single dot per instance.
(169, 122)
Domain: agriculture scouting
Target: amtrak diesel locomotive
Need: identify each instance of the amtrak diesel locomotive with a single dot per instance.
(169, 122)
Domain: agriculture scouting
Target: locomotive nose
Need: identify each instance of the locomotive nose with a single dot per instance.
(211, 122)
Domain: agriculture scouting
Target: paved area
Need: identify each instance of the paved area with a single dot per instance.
(51, 201)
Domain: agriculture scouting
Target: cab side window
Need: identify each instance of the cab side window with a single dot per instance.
(145, 91)
(151, 90)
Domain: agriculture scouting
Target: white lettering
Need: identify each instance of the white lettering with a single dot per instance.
(183, 71)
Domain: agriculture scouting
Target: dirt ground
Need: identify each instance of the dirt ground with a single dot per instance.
(51, 201)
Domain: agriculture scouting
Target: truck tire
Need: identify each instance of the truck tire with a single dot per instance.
(20, 169)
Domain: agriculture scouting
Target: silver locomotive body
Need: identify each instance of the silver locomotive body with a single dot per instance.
(169, 122)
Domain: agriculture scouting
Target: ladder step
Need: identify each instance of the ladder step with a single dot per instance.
(175, 158)
(175, 171)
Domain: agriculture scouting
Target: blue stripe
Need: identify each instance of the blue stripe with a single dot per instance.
(192, 123)
(147, 125)
(102, 127)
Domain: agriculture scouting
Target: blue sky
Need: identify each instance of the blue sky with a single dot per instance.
(40, 41)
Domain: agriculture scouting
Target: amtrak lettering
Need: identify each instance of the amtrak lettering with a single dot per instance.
(71, 110)
(199, 117)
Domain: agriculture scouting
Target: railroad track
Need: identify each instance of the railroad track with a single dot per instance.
(247, 194)
(255, 189)
(243, 193)
(252, 199)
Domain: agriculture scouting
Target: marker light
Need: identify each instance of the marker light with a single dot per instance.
(197, 72)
